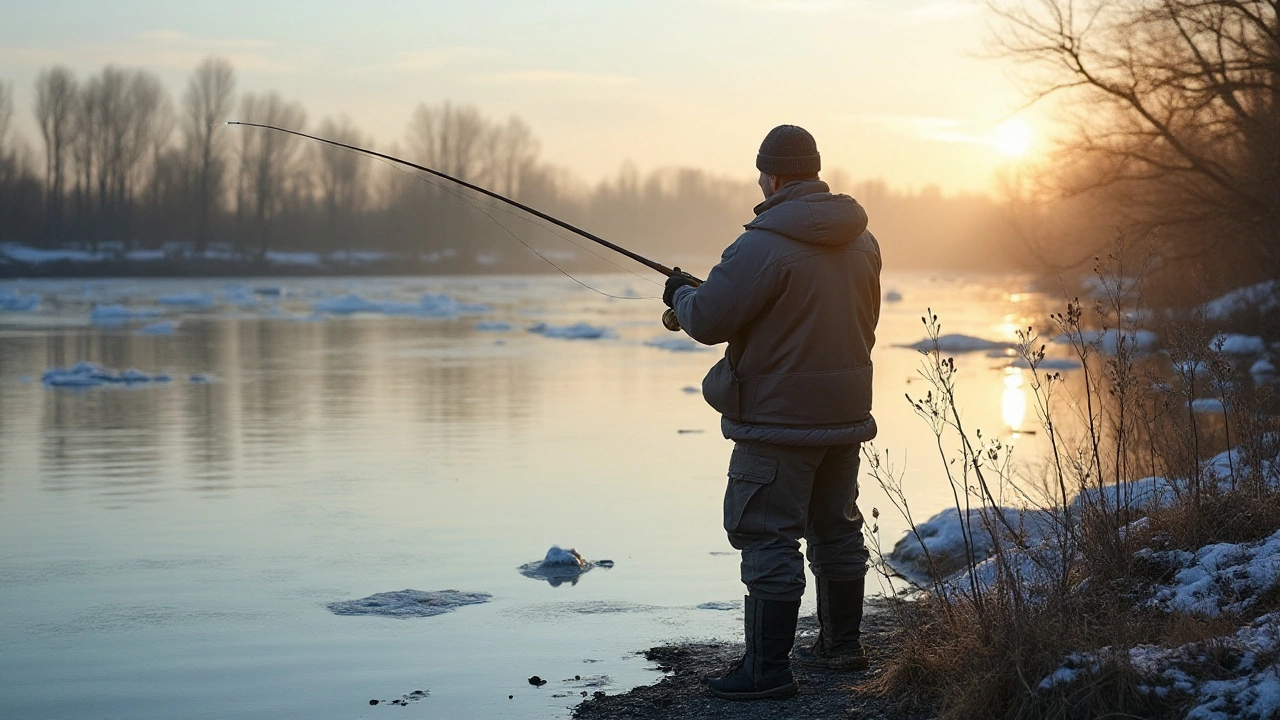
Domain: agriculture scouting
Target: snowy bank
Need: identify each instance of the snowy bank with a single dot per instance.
(1263, 297)
(1238, 344)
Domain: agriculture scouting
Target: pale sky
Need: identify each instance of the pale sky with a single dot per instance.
(893, 89)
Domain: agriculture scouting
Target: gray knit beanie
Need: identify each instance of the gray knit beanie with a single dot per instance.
(789, 150)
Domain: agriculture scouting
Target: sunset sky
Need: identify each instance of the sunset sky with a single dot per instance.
(895, 89)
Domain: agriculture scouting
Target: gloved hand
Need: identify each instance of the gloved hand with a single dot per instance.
(678, 280)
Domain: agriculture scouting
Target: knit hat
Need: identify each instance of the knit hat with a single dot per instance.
(789, 150)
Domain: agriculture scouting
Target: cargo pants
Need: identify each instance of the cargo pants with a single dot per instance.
(780, 493)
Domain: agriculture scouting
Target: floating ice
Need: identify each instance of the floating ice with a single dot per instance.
(690, 389)
(293, 258)
(675, 344)
(408, 603)
(237, 294)
(561, 565)
(11, 301)
(200, 379)
(157, 328)
(893, 296)
(429, 305)
(110, 315)
(492, 326)
(191, 300)
(956, 343)
(87, 374)
(577, 331)
(717, 605)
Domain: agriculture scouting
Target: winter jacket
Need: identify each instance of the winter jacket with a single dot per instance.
(797, 298)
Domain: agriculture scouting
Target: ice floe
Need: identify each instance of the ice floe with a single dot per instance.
(409, 603)
(12, 301)
(955, 343)
(1047, 364)
(561, 565)
(429, 305)
(492, 326)
(157, 328)
(577, 331)
(188, 300)
(115, 314)
(893, 296)
(1238, 344)
(87, 374)
(675, 343)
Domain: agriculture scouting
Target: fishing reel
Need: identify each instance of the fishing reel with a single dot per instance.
(669, 319)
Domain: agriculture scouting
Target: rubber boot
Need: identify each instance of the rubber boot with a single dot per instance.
(838, 646)
(764, 672)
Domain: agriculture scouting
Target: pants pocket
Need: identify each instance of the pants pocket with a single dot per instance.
(744, 510)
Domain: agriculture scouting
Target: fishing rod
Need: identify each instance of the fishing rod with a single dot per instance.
(532, 211)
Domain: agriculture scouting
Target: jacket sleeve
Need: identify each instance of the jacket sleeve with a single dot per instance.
(734, 293)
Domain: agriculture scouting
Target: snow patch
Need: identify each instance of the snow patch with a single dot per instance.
(561, 565)
(1238, 344)
(1263, 297)
(1220, 578)
(409, 603)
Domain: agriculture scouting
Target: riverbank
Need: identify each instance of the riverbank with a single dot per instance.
(683, 694)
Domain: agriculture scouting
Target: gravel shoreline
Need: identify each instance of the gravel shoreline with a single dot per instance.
(682, 693)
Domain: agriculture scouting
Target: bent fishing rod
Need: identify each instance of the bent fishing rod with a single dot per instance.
(532, 211)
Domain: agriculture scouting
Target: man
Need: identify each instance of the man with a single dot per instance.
(797, 298)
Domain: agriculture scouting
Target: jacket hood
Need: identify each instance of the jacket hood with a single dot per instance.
(805, 210)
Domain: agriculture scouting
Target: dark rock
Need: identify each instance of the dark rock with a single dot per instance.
(373, 702)
(537, 681)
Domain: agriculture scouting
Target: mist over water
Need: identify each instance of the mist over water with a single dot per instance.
(171, 549)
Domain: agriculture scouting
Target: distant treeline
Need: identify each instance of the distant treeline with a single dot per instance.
(119, 165)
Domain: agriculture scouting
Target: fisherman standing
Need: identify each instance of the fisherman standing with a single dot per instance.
(797, 298)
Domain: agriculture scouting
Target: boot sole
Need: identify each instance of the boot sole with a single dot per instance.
(779, 693)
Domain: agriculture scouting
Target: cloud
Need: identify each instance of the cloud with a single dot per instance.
(560, 77)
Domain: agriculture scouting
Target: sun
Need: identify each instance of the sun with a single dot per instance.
(1012, 137)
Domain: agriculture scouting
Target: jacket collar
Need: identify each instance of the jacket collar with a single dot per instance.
(791, 191)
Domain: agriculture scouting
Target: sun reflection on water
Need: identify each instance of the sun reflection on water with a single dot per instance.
(1013, 404)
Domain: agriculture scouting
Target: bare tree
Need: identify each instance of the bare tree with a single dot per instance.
(206, 103)
(342, 179)
(55, 109)
(268, 160)
(1178, 114)
(512, 150)
(450, 139)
